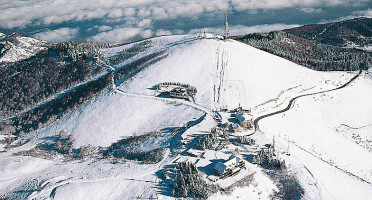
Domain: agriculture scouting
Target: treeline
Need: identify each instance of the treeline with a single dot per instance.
(58, 107)
(308, 53)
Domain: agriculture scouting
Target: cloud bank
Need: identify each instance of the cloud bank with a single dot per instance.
(118, 20)
(46, 12)
(58, 35)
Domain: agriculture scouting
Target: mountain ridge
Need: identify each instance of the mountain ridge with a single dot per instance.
(352, 33)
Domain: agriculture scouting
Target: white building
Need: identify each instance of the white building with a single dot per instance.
(230, 167)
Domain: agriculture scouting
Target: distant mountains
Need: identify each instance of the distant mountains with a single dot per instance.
(16, 47)
(342, 46)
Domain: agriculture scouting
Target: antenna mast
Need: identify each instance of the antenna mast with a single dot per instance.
(226, 28)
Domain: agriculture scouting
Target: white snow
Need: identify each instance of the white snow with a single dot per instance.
(261, 188)
(226, 73)
(114, 116)
(244, 74)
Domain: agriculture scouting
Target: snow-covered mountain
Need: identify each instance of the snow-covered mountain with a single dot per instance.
(15, 47)
(326, 129)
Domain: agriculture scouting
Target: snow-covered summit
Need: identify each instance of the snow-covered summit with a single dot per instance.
(15, 47)
(226, 74)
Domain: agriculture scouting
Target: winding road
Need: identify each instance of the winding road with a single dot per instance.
(291, 102)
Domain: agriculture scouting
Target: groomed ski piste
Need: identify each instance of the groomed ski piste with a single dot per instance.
(328, 135)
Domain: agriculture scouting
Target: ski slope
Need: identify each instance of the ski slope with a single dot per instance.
(321, 129)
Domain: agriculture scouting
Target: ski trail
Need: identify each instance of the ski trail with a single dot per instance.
(222, 72)
(218, 74)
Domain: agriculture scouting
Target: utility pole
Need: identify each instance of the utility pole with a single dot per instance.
(226, 28)
(288, 146)
(113, 82)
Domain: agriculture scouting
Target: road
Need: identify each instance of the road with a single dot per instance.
(292, 101)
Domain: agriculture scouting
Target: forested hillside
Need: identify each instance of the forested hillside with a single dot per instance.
(29, 82)
(317, 56)
(349, 33)
(50, 84)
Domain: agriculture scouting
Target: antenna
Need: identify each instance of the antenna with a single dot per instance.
(226, 28)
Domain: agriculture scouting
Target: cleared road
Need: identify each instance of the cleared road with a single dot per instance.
(291, 102)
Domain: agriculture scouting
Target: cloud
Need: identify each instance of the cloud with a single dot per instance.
(144, 23)
(140, 18)
(363, 13)
(120, 35)
(58, 35)
(102, 28)
(15, 14)
(280, 4)
(355, 14)
(311, 10)
(163, 32)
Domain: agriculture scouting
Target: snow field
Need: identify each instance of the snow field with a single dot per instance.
(226, 74)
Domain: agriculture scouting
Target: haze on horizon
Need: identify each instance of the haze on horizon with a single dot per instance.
(116, 21)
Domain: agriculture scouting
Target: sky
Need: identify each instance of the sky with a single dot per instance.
(118, 21)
